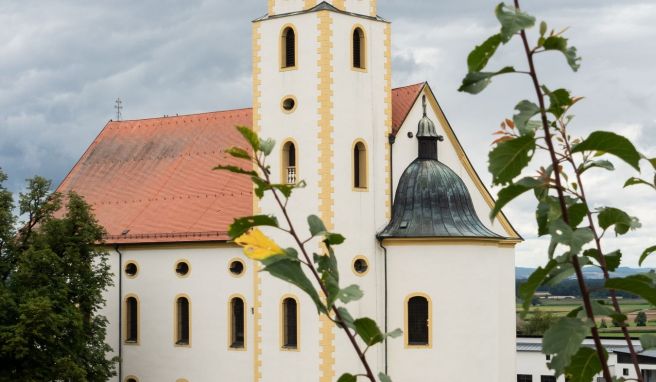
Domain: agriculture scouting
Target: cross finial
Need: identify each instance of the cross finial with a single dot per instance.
(118, 106)
(423, 103)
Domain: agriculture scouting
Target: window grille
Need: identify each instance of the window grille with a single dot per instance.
(183, 321)
(547, 378)
(237, 323)
(524, 378)
(418, 321)
(289, 39)
(358, 37)
(289, 163)
(131, 310)
(290, 324)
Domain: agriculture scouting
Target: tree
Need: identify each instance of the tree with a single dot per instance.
(53, 277)
(603, 324)
(641, 319)
(538, 323)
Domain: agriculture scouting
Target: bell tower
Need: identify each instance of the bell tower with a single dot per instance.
(322, 90)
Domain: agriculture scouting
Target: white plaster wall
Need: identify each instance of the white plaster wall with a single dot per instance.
(110, 310)
(534, 363)
(209, 286)
(361, 7)
(287, 6)
(405, 151)
(473, 312)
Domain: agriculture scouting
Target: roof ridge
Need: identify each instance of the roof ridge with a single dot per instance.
(182, 115)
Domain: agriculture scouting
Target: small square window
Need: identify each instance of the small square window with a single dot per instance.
(625, 372)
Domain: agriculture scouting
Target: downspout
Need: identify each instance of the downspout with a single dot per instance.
(120, 312)
(386, 329)
(391, 139)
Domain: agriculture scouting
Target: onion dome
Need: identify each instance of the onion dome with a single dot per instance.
(431, 199)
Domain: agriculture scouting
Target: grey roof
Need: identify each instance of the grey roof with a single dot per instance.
(432, 201)
(323, 6)
(537, 347)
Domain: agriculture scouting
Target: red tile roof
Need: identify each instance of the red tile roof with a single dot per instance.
(402, 101)
(151, 181)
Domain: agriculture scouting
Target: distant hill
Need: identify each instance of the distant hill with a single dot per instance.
(589, 272)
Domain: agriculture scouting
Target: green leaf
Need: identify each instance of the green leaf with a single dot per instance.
(563, 339)
(480, 56)
(560, 44)
(238, 153)
(368, 330)
(396, 333)
(350, 293)
(547, 211)
(615, 217)
(543, 28)
(584, 366)
(250, 136)
(559, 273)
(507, 194)
(559, 101)
(476, 82)
(383, 377)
(316, 225)
(527, 290)
(267, 145)
(508, 159)
(236, 170)
(346, 377)
(346, 317)
(512, 21)
(577, 212)
(599, 163)
(633, 181)
(575, 239)
(613, 260)
(648, 341)
(525, 111)
(642, 285)
(646, 253)
(607, 142)
(289, 270)
(241, 225)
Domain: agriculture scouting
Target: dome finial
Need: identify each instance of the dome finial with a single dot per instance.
(423, 103)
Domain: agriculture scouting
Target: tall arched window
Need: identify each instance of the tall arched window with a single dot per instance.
(289, 323)
(418, 321)
(182, 313)
(237, 323)
(359, 165)
(289, 169)
(288, 48)
(358, 48)
(131, 320)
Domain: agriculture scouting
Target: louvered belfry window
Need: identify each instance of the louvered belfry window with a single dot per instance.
(131, 309)
(289, 48)
(290, 323)
(358, 45)
(182, 309)
(418, 321)
(237, 323)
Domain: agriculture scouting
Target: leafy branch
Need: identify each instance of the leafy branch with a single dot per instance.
(563, 206)
(287, 265)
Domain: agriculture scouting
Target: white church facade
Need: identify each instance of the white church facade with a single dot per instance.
(383, 167)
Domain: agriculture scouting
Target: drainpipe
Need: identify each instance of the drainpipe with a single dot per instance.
(120, 312)
(391, 139)
(386, 329)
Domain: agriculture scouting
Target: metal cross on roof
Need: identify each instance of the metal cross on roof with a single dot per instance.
(118, 106)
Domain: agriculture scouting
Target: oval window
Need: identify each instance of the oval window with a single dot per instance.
(289, 104)
(236, 267)
(182, 268)
(360, 266)
(131, 269)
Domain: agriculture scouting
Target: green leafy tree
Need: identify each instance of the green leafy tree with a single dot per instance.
(641, 319)
(564, 211)
(295, 264)
(53, 277)
(603, 324)
(538, 323)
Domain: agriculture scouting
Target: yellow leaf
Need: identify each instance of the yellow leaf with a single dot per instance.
(258, 246)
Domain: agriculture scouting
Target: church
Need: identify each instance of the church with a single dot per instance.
(383, 167)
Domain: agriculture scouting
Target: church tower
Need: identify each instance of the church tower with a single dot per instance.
(322, 90)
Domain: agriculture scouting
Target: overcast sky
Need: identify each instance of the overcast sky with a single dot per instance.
(63, 63)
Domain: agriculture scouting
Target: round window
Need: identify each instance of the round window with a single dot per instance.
(131, 269)
(236, 267)
(289, 104)
(182, 268)
(360, 266)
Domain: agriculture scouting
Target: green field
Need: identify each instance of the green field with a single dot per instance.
(630, 307)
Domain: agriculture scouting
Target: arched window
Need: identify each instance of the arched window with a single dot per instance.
(289, 169)
(359, 165)
(288, 48)
(237, 323)
(131, 378)
(358, 48)
(289, 323)
(418, 325)
(131, 320)
(182, 313)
